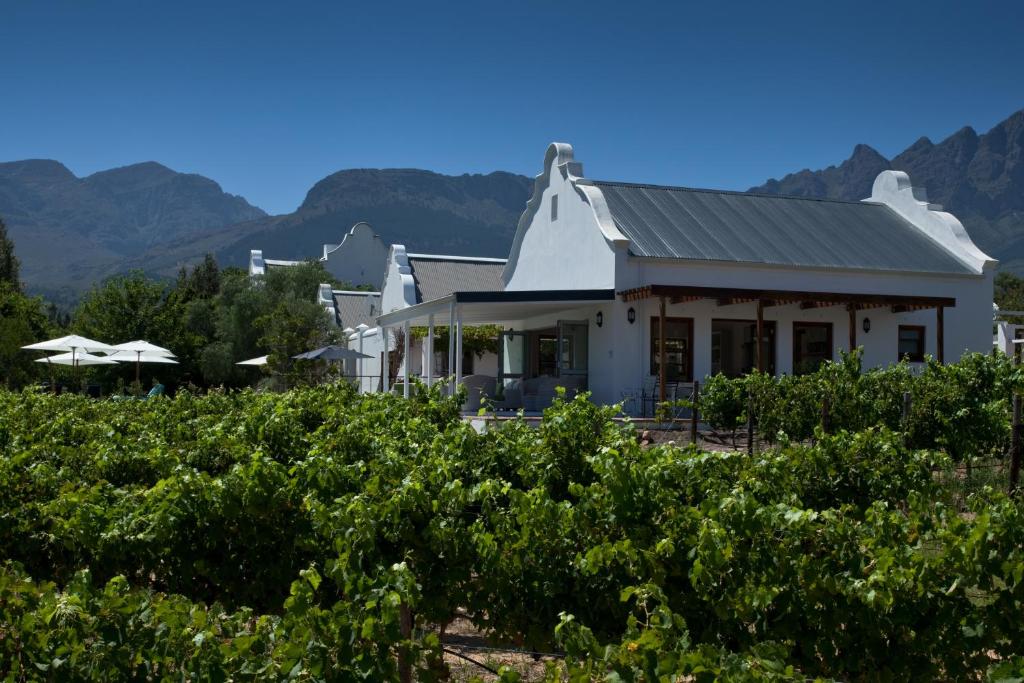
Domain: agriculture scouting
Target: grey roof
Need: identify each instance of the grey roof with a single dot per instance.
(438, 276)
(354, 308)
(714, 225)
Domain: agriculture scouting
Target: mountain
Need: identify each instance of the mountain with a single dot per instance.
(979, 178)
(473, 215)
(70, 231)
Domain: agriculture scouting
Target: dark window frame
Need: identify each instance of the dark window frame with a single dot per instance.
(798, 358)
(770, 328)
(653, 347)
(917, 357)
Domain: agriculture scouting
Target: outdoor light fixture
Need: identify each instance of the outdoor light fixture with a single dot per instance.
(599, 318)
(631, 315)
(867, 324)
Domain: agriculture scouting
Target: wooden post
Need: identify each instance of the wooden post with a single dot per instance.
(694, 416)
(760, 336)
(852, 310)
(1016, 353)
(1015, 448)
(750, 423)
(826, 417)
(405, 627)
(940, 334)
(661, 351)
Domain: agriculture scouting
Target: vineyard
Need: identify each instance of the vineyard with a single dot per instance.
(321, 535)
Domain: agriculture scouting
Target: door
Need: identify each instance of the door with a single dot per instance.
(511, 359)
(573, 350)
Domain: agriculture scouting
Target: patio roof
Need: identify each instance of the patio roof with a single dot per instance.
(771, 297)
(496, 307)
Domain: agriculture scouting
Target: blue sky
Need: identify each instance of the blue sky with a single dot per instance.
(269, 97)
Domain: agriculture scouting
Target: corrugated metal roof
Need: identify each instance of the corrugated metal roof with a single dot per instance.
(712, 225)
(352, 309)
(437, 276)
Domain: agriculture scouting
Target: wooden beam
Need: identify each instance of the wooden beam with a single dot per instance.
(760, 336)
(786, 296)
(661, 351)
(724, 302)
(852, 310)
(940, 334)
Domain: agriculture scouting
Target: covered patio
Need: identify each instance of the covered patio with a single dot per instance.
(518, 312)
(766, 298)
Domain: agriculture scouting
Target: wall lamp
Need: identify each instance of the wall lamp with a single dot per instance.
(599, 318)
(866, 325)
(631, 315)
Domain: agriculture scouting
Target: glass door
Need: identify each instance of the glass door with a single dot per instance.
(511, 360)
(572, 350)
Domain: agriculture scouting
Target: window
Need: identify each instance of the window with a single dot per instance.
(812, 346)
(911, 343)
(678, 349)
(733, 352)
(554, 207)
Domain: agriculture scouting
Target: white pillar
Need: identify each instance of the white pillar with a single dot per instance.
(385, 370)
(458, 347)
(430, 351)
(405, 358)
(451, 339)
(360, 328)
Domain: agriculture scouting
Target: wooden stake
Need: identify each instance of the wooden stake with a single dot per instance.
(750, 424)
(826, 418)
(1015, 448)
(694, 416)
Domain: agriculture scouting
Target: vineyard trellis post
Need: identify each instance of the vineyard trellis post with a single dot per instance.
(1015, 448)
(826, 417)
(905, 417)
(750, 423)
(694, 412)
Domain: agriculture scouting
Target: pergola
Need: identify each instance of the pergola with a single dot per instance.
(476, 308)
(764, 298)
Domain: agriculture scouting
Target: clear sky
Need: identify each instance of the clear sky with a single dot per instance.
(268, 97)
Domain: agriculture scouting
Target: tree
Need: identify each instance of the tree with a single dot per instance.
(125, 308)
(10, 267)
(1009, 291)
(23, 321)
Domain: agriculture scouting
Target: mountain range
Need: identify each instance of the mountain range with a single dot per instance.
(71, 232)
(979, 178)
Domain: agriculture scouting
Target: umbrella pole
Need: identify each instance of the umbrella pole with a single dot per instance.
(138, 382)
(53, 386)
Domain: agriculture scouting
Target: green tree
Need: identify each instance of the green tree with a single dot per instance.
(9, 265)
(23, 320)
(1009, 291)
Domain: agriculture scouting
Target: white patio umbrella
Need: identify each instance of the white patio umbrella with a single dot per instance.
(73, 343)
(79, 359)
(141, 351)
(259, 360)
(143, 346)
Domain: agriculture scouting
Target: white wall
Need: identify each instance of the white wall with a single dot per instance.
(570, 252)
(360, 259)
(968, 325)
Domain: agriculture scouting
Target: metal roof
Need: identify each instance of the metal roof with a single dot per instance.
(715, 225)
(438, 276)
(352, 309)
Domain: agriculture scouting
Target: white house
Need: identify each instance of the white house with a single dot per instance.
(358, 259)
(410, 280)
(622, 287)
